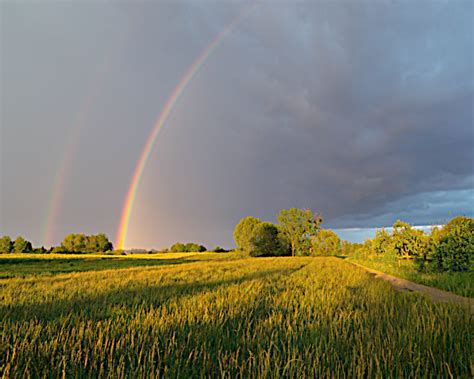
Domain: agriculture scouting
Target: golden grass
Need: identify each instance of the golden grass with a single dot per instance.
(268, 317)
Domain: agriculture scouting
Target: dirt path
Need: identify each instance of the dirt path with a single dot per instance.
(434, 294)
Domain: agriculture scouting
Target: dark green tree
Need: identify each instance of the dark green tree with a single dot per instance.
(455, 250)
(265, 241)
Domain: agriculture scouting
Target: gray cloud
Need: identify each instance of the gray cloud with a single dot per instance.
(357, 110)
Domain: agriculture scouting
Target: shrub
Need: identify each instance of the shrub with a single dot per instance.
(219, 249)
(455, 251)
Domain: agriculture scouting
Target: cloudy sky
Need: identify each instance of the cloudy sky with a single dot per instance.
(362, 111)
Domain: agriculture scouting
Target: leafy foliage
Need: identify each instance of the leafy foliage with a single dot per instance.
(80, 243)
(22, 246)
(408, 242)
(455, 251)
(298, 226)
(243, 233)
(190, 247)
(382, 242)
(266, 241)
(6, 244)
(325, 242)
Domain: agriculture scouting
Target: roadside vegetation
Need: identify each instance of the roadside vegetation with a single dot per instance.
(224, 316)
(444, 259)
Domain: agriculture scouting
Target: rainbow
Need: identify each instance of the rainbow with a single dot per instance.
(163, 116)
(72, 145)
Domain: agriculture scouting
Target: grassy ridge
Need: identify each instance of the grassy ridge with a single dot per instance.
(269, 317)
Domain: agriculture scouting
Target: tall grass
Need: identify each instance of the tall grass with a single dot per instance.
(269, 317)
(461, 283)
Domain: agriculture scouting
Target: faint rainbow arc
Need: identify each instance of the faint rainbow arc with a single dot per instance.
(163, 116)
(72, 146)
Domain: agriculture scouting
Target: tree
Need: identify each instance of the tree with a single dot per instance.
(408, 242)
(243, 232)
(455, 250)
(68, 243)
(91, 244)
(265, 241)
(298, 226)
(22, 246)
(325, 242)
(178, 247)
(74, 243)
(191, 247)
(80, 243)
(103, 243)
(382, 242)
(6, 244)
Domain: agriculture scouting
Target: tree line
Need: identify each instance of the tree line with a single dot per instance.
(298, 232)
(72, 243)
(450, 248)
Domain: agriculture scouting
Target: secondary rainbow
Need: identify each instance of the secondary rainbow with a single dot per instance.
(72, 146)
(163, 116)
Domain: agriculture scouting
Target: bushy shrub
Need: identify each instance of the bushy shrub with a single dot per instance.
(455, 251)
(219, 249)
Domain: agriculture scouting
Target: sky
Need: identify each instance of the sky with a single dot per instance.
(361, 111)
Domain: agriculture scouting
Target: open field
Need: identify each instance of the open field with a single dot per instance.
(23, 265)
(222, 316)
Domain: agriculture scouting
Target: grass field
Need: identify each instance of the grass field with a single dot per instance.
(461, 283)
(218, 315)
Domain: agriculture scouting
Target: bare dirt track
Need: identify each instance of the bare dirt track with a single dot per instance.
(434, 294)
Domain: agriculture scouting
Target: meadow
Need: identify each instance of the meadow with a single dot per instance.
(219, 315)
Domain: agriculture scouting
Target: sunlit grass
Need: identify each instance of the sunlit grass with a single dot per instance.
(461, 283)
(23, 265)
(269, 317)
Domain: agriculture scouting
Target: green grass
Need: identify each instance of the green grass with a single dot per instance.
(461, 283)
(24, 265)
(226, 317)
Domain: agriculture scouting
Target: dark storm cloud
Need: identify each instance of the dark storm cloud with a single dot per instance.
(362, 111)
